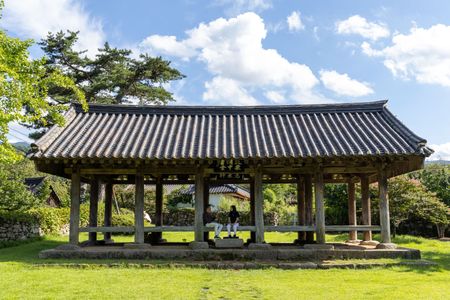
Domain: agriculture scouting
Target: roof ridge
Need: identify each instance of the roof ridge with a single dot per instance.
(198, 109)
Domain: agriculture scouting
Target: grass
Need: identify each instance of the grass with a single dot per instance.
(21, 278)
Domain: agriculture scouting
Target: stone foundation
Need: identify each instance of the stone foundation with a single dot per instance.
(275, 253)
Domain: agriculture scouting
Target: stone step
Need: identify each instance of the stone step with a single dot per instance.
(228, 243)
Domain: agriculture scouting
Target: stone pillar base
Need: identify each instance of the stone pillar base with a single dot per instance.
(386, 246)
(319, 246)
(353, 241)
(369, 243)
(137, 246)
(259, 246)
(198, 245)
(299, 241)
(108, 241)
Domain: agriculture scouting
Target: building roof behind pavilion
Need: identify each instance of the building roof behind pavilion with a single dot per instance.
(224, 132)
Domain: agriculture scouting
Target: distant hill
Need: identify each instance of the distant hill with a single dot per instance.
(437, 162)
(22, 146)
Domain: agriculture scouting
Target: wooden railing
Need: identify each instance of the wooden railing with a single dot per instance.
(269, 228)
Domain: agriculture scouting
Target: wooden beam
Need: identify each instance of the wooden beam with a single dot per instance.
(365, 206)
(158, 208)
(108, 209)
(199, 202)
(353, 236)
(328, 228)
(108, 229)
(139, 207)
(259, 210)
(205, 204)
(309, 220)
(74, 224)
(320, 209)
(384, 207)
(252, 209)
(93, 207)
(301, 215)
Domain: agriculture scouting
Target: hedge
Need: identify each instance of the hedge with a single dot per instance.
(51, 220)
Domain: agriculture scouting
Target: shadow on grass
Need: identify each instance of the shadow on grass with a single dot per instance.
(28, 252)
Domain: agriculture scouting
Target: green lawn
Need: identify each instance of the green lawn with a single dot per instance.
(21, 278)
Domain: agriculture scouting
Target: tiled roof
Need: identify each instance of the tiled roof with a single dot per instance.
(220, 189)
(33, 183)
(214, 132)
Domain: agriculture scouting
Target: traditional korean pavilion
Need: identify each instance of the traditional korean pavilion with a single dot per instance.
(308, 145)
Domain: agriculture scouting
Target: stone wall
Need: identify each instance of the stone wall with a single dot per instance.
(185, 217)
(18, 231)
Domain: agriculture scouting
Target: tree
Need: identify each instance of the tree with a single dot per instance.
(24, 85)
(336, 203)
(14, 196)
(436, 179)
(113, 76)
(409, 199)
(402, 194)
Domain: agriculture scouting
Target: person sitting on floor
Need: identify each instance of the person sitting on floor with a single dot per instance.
(233, 220)
(210, 221)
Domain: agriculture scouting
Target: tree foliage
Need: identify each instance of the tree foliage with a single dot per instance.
(113, 76)
(24, 85)
(14, 196)
(436, 179)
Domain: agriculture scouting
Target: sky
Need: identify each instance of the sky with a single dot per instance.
(262, 52)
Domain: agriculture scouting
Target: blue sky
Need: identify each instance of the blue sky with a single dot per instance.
(275, 52)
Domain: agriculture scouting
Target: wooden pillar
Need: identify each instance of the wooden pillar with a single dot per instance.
(259, 209)
(108, 210)
(384, 207)
(157, 236)
(365, 206)
(309, 221)
(139, 208)
(252, 209)
(205, 204)
(301, 215)
(75, 206)
(93, 208)
(352, 235)
(320, 210)
(199, 201)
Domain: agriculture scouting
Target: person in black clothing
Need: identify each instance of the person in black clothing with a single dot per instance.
(210, 221)
(233, 220)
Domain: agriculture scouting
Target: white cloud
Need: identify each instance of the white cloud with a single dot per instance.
(35, 18)
(233, 53)
(343, 85)
(441, 152)
(235, 7)
(275, 96)
(295, 22)
(226, 91)
(168, 45)
(423, 55)
(359, 25)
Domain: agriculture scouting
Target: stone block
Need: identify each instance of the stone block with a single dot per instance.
(68, 247)
(259, 246)
(137, 246)
(198, 245)
(319, 246)
(228, 243)
(386, 246)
